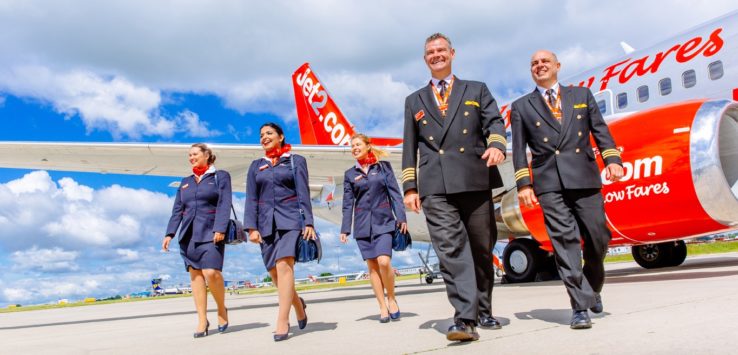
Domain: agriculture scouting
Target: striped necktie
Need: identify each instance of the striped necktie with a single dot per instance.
(442, 88)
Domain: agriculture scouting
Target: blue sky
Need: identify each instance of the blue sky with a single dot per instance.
(137, 71)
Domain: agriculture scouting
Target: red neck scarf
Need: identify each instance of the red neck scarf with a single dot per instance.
(275, 153)
(369, 160)
(199, 170)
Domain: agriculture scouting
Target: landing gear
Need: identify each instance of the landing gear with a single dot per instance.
(523, 259)
(652, 256)
(431, 271)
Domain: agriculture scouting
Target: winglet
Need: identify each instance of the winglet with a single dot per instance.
(627, 48)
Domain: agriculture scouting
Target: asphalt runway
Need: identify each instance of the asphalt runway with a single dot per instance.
(690, 309)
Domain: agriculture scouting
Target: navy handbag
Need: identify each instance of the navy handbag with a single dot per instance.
(234, 233)
(307, 249)
(400, 241)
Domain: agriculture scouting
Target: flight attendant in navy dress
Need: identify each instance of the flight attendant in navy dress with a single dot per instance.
(201, 212)
(365, 201)
(277, 201)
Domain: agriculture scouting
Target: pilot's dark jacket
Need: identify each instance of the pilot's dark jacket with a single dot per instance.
(365, 200)
(447, 151)
(205, 207)
(562, 153)
(272, 195)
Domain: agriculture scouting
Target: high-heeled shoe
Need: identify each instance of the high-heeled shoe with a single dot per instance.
(384, 319)
(222, 328)
(396, 315)
(303, 323)
(280, 337)
(203, 334)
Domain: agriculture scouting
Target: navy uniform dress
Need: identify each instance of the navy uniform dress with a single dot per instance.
(273, 206)
(202, 209)
(365, 200)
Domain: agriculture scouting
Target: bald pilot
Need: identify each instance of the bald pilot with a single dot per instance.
(555, 122)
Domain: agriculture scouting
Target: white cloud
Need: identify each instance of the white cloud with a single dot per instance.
(47, 260)
(103, 103)
(127, 254)
(193, 126)
(199, 47)
(370, 101)
(74, 216)
(16, 294)
(75, 192)
(33, 182)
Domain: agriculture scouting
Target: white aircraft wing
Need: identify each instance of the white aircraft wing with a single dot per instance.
(324, 162)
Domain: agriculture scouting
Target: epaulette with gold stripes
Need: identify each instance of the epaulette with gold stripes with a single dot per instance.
(522, 173)
(607, 153)
(496, 138)
(408, 174)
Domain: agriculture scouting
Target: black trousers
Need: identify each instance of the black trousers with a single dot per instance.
(463, 233)
(571, 215)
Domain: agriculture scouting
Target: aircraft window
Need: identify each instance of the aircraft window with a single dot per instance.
(622, 100)
(689, 78)
(665, 86)
(642, 92)
(602, 105)
(716, 70)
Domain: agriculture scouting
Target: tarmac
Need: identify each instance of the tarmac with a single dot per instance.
(688, 309)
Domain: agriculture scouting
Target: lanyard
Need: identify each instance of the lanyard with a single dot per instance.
(442, 102)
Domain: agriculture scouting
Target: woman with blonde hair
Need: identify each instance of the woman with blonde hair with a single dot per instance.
(201, 212)
(367, 187)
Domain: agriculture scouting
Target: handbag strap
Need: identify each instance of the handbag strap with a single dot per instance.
(215, 175)
(297, 191)
(386, 185)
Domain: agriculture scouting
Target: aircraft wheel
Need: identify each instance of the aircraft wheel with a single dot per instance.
(522, 260)
(678, 253)
(429, 279)
(652, 256)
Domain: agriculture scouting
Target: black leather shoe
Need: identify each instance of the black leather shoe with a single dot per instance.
(203, 334)
(597, 308)
(462, 332)
(280, 337)
(489, 322)
(580, 320)
(304, 322)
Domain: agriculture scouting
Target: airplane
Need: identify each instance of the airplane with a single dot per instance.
(678, 141)
(671, 109)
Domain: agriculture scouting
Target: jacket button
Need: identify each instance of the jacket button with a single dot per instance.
(580, 133)
(538, 123)
(430, 138)
(464, 131)
(545, 139)
(557, 152)
(466, 113)
(461, 149)
(425, 122)
(579, 117)
(440, 152)
(577, 150)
